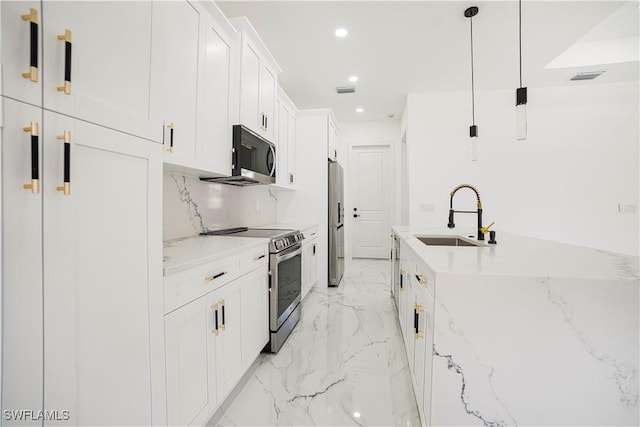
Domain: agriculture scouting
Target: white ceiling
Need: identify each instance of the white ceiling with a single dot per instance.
(397, 47)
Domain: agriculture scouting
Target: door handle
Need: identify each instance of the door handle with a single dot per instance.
(66, 88)
(32, 18)
(66, 172)
(34, 130)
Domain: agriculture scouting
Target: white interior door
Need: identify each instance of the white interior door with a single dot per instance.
(371, 209)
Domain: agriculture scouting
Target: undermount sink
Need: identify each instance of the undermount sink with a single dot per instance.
(447, 241)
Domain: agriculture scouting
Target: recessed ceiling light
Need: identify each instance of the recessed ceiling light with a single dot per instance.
(359, 110)
(353, 78)
(356, 414)
(341, 32)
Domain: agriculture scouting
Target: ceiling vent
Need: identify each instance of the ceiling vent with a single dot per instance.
(346, 89)
(589, 75)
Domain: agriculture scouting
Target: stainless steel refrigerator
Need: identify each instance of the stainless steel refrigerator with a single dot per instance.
(336, 223)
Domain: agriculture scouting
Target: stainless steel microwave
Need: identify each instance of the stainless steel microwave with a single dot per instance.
(253, 161)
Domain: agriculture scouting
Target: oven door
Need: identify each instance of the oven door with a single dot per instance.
(286, 285)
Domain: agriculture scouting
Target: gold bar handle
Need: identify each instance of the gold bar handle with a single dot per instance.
(66, 87)
(421, 279)
(32, 18)
(215, 276)
(223, 323)
(66, 168)
(34, 130)
(170, 127)
(214, 307)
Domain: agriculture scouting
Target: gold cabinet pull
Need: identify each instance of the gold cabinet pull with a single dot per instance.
(417, 309)
(32, 18)
(34, 130)
(420, 278)
(222, 324)
(215, 276)
(66, 172)
(214, 307)
(66, 87)
(170, 127)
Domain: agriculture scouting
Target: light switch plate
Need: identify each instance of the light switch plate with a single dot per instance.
(625, 208)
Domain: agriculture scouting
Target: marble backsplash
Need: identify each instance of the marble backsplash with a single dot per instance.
(191, 206)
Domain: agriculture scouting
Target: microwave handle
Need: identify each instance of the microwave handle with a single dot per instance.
(273, 167)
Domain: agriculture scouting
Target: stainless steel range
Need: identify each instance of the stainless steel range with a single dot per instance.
(285, 270)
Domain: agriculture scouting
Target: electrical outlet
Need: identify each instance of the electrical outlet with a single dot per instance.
(625, 208)
(427, 208)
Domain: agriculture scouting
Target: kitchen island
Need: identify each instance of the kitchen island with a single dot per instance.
(525, 332)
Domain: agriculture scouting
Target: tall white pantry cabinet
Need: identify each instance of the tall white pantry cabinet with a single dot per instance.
(82, 335)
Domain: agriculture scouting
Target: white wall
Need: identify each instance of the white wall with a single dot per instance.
(381, 132)
(190, 206)
(563, 183)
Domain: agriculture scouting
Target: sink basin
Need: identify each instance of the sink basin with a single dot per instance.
(448, 241)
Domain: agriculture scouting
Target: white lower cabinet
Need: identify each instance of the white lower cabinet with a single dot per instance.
(415, 314)
(82, 270)
(309, 260)
(255, 315)
(423, 354)
(211, 342)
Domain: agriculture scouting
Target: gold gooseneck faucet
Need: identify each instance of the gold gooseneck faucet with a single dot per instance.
(481, 230)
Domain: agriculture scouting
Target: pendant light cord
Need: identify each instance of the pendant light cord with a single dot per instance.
(520, 36)
(473, 99)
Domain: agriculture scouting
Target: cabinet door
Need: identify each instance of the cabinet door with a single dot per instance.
(250, 114)
(104, 63)
(190, 352)
(427, 326)
(307, 255)
(268, 85)
(216, 103)
(283, 144)
(313, 266)
(22, 360)
(423, 350)
(21, 52)
(100, 272)
(255, 314)
(229, 340)
(332, 147)
(176, 26)
(291, 144)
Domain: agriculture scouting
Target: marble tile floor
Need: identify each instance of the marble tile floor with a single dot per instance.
(343, 365)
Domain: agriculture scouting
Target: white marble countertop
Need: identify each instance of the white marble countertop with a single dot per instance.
(285, 226)
(516, 255)
(181, 254)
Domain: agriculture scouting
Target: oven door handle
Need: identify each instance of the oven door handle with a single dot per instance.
(289, 253)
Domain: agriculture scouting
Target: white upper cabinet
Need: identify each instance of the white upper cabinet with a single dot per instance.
(21, 56)
(175, 83)
(97, 65)
(332, 147)
(258, 82)
(194, 58)
(285, 152)
(217, 107)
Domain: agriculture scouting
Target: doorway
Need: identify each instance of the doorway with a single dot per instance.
(371, 183)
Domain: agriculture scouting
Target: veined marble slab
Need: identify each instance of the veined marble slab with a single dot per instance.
(554, 344)
(181, 254)
(520, 256)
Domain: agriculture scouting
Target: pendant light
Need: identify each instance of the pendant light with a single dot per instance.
(521, 92)
(473, 129)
